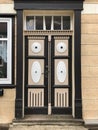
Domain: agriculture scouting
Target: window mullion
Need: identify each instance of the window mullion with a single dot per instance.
(3, 39)
(44, 24)
(34, 22)
(52, 27)
(61, 22)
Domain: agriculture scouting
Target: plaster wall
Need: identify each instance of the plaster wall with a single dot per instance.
(89, 52)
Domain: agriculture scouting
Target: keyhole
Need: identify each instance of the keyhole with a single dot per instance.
(36, 72)
(61, 47)
(35, 47)
(61, 71)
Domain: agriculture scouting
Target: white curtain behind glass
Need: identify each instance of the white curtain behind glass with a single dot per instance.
(3, 50)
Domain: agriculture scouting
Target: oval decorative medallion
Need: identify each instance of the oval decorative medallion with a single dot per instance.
(36, 72)
(61, 71)
(61, 47)
(36, 47)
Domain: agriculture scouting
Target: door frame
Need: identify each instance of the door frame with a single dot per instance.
(76, 6)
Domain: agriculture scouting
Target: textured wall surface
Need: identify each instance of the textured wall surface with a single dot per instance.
(89, 51)
(7, 106)
(91, 1)
(6, 1)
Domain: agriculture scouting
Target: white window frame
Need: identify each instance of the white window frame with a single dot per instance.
(8, 80)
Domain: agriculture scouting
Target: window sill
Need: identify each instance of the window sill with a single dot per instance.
(7, 86)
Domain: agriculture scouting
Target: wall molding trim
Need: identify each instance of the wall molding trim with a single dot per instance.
(7, 9)
(91, 122)
(90, 9)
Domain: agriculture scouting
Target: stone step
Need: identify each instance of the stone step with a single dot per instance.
(47, 127)
(46, 122)
(48, 119)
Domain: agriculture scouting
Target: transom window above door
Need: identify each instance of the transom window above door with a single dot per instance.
(48, 23)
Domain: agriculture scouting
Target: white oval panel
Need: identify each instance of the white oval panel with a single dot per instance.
(36, 47)
(61, 47)
(36, 72)
(61, 71)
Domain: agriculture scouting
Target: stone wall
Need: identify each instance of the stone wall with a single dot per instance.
(89, 51)
(6, 1)
(7, 106)
(91, 1)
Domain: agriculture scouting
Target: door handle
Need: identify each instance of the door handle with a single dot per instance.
(45, 73)
(46, 66)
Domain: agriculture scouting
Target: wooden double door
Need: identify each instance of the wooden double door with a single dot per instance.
(48, 74)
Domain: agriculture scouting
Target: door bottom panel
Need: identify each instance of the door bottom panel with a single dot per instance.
(36, 110)
(59, 110)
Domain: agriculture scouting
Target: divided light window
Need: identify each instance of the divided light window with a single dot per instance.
(5, 50)
(48, 23)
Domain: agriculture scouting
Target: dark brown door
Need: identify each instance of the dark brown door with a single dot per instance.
(61, 81)
(36, 75)
(48, 75)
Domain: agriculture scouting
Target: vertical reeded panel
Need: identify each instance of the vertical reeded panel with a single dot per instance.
(61, 98)
(35, 97)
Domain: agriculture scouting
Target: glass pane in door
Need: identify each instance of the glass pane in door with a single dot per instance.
(39, 22)
(57, 22)
(66, 22)
(30, 22)
(48, 22)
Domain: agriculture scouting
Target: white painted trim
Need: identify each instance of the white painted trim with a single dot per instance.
(91, 121)
(7, 9)
(90, 9)
(8, 80)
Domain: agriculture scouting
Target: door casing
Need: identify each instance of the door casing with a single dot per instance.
(77, 8)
